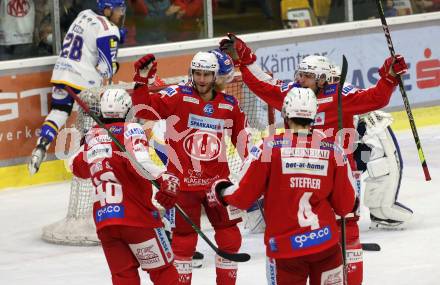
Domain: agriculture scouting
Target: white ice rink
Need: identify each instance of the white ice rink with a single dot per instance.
(407, 257)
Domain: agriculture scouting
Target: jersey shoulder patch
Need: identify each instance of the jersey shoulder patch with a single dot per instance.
(230, 99)
(134, 129)
(349, 89)
(170, 91)
(185, 89)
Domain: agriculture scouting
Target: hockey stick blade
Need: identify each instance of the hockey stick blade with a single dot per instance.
(370, 247)
(237, 257)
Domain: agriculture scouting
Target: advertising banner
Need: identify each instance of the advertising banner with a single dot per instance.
(25, 102)
(365, 54)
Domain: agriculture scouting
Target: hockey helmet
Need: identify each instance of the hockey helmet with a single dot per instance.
(102, 4)
(300, 103)
(335, 75)
(318, 66)
(205, 61)
(115, 103)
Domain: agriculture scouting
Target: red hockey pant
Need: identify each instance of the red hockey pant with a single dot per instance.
(227, 235)
(121, 261)
(320, 268)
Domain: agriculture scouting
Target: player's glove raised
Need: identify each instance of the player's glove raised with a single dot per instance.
(392, 67)
(214, 195)
(145, 69)
(167, 195)
(240, 53)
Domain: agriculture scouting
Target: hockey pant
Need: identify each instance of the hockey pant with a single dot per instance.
(126, 248)
(227, 237)
(354, 252)
(320, 268)
(61, 108)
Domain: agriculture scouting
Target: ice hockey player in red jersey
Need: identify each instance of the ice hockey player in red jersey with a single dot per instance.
(314, 72)
(198, 119)
(305, 179)
(128, 224)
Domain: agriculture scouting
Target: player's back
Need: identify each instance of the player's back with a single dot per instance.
(122, 195)
(77, 63)
(305, 189)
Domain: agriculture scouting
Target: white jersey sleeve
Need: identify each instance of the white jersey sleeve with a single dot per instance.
(89, 51)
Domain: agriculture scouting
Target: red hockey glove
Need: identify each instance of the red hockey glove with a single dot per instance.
(145, 69)
(240, 53)
(167, 195)
(214, 195)
(393, 67)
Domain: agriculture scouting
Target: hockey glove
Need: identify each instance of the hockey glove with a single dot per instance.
(392, 67)
(167, 195)
(145, 69)
(215, 194)
(240, 53)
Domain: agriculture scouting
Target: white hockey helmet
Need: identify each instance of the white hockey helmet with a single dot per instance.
(335, 74)
(115, 103)
(205, 61)
(318, 65)
(300, 103)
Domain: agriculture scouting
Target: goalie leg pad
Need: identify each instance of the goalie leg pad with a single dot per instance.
(385, 173)
(254, 220)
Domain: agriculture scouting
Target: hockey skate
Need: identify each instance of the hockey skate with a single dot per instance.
(38, 155)
(386, 224)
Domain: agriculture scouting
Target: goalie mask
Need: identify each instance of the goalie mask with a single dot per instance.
(300, 103)
(115, 103)
(318, 67)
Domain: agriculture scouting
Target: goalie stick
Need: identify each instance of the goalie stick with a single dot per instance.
(404, 96)
(340, 126)
(237, 257)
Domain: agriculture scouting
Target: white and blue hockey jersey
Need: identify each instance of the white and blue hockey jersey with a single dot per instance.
(89, 51)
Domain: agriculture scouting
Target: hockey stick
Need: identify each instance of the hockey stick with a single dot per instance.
(370, 246)
(340, 126)
(404, 96)
(237, 257)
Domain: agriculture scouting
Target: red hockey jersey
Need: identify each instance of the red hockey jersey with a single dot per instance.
(195, 131)
(354, 101)
(122, 195)
(305, 180)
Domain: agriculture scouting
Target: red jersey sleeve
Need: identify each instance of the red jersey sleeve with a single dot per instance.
(239, 136)
(264, 86)
(155, 106)
(78, 165)
(343, 195)
(253, 184)
(360, 101)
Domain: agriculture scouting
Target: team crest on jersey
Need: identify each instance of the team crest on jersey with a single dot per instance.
(330, 89)
(186, 89)
(208, 109)
(230, 99)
